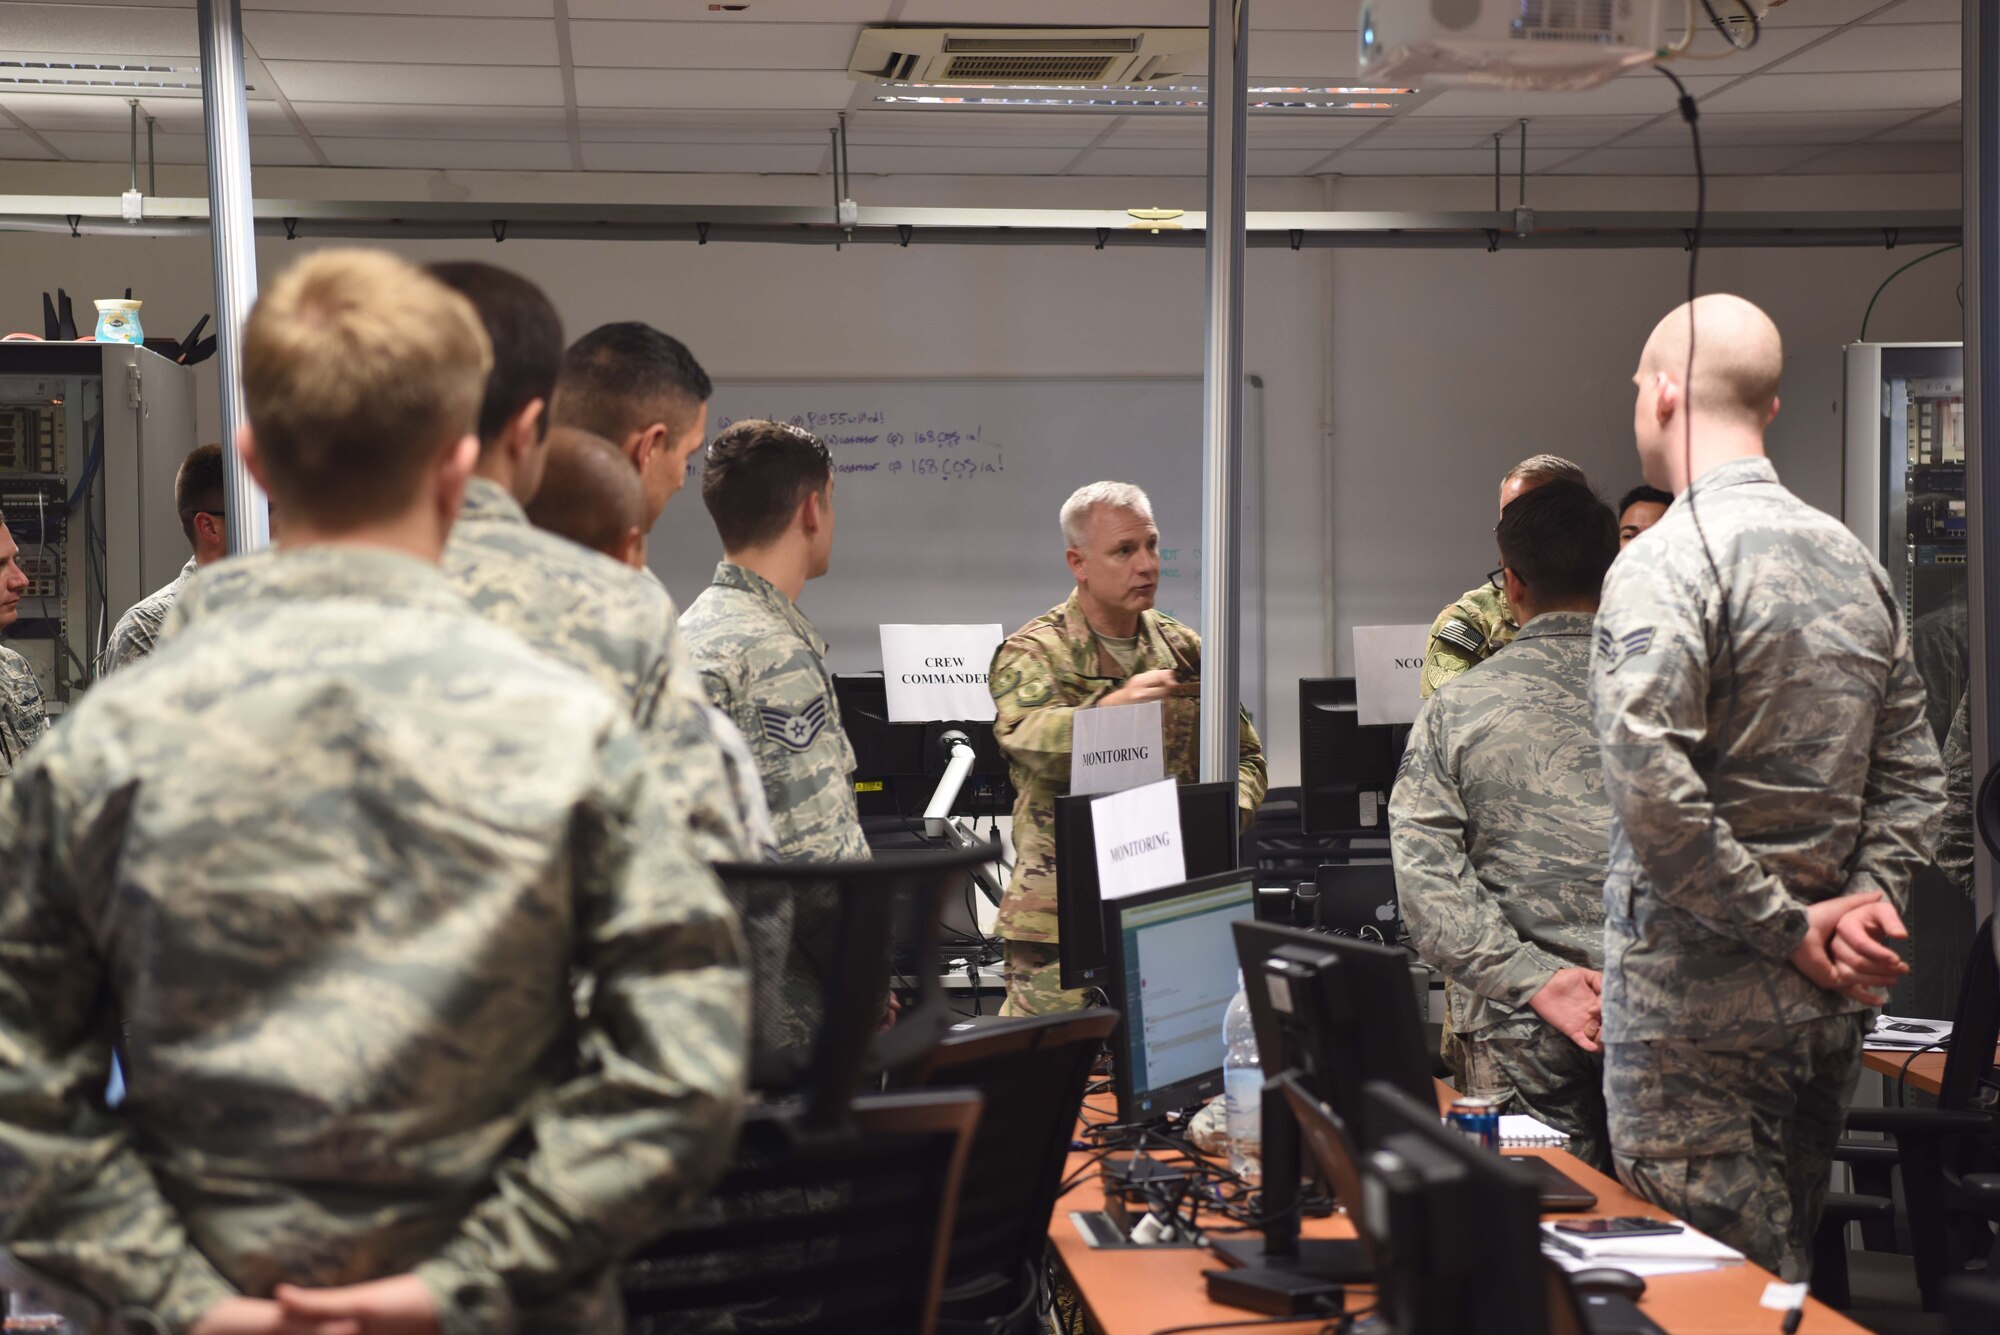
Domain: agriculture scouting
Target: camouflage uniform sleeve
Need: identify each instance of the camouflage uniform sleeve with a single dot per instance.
(1649, 681)
(1031, 723)
(1954, 824)
(77, 1202)
(131, 639)
(1455, 922)
(1904, 790)
(646, 1123)
(1457, 644)
(1252, 776)
(677, 721)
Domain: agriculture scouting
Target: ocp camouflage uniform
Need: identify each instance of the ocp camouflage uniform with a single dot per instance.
(1470, 631)
(764, 666)
(139, 629)
(23, 718)
(338, 959)
(1040, 676)
(1500, 830)
(1765, 748)
(593, 613)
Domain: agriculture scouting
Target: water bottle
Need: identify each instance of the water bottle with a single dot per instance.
(1243, 1089)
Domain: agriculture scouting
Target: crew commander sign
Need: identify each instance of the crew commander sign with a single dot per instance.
(937, 674)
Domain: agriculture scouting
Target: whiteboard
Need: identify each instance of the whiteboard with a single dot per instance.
(946, 496)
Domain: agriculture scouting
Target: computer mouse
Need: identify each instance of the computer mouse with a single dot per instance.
(1606, 1279)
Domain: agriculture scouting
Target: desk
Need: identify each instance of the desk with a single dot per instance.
(1139, 1291)
(1926, 1068)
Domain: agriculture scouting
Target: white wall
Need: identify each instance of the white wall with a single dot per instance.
(1440, 368)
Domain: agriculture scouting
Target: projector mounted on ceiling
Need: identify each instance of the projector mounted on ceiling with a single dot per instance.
(1027, 56)
(1523, 44)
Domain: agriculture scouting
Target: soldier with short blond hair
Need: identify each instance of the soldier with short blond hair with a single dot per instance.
(1104, 645)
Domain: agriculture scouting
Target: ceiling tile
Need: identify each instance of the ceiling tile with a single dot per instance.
(114, 146)
(804, 46)
(1194, 162)
(1802, 13)
(659, 125)
(1366, 161)
(1712, 55)
(276, 150)
(474, 9)
(404, 41)
(1073, 132)
(732, 159)
(1838, 92)
(712, 88)
(18, 146)
(1036, 13)
(1938, 127)
(1923, 11)
(40, 28)
(1917, 46)
(1544, 132)
(1303, 54)
(1771, 128)
(445, 154)
(1631, 94)
(909, 161)
(763, 11)
(176, 115)
(134, 4)
(433, 85)
(1858, 159)
(391, 120)
(1337, 15)
(1622, 161)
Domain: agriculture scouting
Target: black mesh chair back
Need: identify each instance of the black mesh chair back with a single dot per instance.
(1975, 1026)
(816, 1230)
(1031, 1075)
(820, 938)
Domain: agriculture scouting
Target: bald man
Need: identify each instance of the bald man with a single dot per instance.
(1771, 777)
(590, 495)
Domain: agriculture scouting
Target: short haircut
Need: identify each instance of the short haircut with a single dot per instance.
(1739, 356)
(1539, 469)
(619, 379)
(358, 370)
(755, 475)
(590, 492)
(1560, 539)
(1113, 495)
(526, 334)
(1643, 493)
(198, 486)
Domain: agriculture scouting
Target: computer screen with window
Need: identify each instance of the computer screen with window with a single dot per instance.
(1173, 976)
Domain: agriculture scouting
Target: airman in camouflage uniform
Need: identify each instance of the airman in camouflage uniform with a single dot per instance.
(1500, 830)
(1040, 677)
(138, 631)
(23, 719)
(199, 499)
(340, 957)
(1954, 833)
(1767, 756)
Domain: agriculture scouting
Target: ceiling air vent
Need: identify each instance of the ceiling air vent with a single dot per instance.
(1036, 57)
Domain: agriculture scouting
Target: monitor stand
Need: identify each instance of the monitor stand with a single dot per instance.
(1277, 1262)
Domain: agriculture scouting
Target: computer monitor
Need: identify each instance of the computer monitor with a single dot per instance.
(1456, 1228)
(1345, 770)
(897, 765)
(1172, 979)
(1357, 899)
(1208, 845)
(1334, 1149)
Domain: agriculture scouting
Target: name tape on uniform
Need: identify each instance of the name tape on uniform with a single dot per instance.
(1116, 747)
(1389, 673)
(1138, 834)
(937, 674)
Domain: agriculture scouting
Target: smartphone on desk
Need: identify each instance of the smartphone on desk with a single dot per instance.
(1623, 1226)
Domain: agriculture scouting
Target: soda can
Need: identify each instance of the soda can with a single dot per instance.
(1478, 1120)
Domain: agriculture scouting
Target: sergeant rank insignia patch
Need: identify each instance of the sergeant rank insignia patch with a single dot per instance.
(1618, 650)
(795, 732)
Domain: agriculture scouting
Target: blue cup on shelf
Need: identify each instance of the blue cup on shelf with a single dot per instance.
(118, 321)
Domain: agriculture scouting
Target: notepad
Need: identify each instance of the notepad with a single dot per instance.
(1521, 1132)
(1688, 1245)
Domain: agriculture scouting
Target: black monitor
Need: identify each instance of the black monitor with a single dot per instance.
(1357, 899)
(1345, 770)
(1172, 979)
(897, 765)
(1208, 847)
(1456, 1228)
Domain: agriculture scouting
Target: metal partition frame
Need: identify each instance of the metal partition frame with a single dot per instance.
(1982, 373)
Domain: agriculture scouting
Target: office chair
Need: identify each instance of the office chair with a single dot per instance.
(817, 1229)
(1947, 1153)
(820, 944)
(1031, 1075)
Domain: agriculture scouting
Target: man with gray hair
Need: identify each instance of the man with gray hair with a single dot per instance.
(1104, 645)
(1480, 624)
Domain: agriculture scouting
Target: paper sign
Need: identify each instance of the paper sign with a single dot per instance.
(937, 674)
(1116, 747)
(1389, 673)
(1138, 834)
